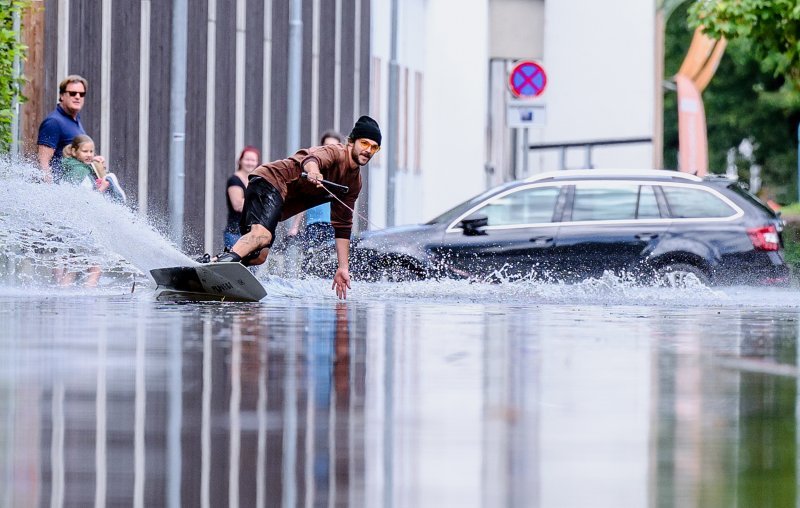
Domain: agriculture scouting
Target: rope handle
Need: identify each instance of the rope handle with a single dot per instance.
(345, 189)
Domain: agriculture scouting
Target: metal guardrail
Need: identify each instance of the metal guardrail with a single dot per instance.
(588, 145)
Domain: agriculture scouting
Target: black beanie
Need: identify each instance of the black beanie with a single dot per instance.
(368, 128)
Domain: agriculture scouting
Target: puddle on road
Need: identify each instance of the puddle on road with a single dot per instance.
(296, 401)
(597, 394)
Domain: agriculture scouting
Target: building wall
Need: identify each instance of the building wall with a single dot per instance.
(335, 90)
(455, 103)
(441, 105)
(412, 49)
(600, 69)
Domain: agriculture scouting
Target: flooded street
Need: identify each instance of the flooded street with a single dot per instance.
(436, 393)
(401, 397)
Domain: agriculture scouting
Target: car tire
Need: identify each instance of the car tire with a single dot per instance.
(681, 275)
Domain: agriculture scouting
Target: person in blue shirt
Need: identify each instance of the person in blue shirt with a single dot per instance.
(61, 126)
(318, 229)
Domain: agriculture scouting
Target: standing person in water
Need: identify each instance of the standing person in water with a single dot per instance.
(280, 189)
(234, 193)
(77, 169)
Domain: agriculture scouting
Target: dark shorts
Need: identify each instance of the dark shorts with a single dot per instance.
(262, 205)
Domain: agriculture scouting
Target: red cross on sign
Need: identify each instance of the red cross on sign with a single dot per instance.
(527, 80)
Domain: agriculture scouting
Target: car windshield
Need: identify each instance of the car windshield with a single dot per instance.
(459, 209)
(741, 191)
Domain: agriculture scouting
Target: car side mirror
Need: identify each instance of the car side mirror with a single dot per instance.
(472, 224)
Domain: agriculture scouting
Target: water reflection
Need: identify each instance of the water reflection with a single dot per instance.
(728, 436)
(332, 404)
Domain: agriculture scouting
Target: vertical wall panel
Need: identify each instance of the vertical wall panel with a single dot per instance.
(306, 137)
(403, 119)
(125, 19)
(194, 157)
(327, 63)
(160, 48)
(364, 102)
(51, 79)
(84, 57)
(418, 122)
(348, 65)
(254, 75)
(225, 115)
(365, 46)
(280, 69)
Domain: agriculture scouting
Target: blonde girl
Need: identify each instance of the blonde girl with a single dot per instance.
(77, 164)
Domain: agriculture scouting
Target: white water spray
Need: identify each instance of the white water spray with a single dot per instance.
(45, 229)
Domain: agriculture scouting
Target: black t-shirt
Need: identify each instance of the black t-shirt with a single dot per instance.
(233, 215)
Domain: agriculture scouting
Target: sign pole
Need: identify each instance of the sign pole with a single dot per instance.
(525, 152)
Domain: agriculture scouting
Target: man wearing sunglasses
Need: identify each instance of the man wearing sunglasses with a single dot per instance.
(280, 189)
(61, 125)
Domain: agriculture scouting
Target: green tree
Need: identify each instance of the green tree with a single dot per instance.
(769, 28)
(745, 99)
(10, 49)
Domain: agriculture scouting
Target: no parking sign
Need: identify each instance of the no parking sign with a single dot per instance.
(527, 80)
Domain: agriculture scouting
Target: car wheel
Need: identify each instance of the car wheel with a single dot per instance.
(681, 275)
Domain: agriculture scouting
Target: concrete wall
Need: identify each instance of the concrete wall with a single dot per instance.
(600, 68)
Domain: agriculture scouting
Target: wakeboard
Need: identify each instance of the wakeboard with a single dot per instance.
(211, 281)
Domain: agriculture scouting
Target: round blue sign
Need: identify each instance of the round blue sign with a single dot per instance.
(527, 79)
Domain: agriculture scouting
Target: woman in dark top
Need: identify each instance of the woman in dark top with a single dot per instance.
(234, 192)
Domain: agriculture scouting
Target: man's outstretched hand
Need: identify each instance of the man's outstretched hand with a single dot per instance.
(341, 283)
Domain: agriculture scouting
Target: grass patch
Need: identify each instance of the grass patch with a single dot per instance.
(791, 209)
(791, 252)
(791, 239)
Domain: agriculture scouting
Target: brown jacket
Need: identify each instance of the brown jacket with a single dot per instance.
(299, 194)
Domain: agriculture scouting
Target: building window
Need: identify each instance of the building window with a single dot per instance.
(418, 122)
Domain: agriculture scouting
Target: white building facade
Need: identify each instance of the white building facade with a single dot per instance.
(454, 57)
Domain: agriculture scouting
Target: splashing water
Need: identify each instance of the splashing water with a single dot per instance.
(50, 229)
(45, 229)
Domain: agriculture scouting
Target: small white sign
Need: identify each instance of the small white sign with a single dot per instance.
(522, 114)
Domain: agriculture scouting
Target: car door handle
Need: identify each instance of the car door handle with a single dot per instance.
(646, 237)
(542, 241)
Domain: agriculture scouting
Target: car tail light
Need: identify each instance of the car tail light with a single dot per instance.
(764, 238)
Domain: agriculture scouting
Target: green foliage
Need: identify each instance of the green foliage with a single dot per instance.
(791, 247)
(10, 48)
(791, 209)
(769, 28)
(743, 100)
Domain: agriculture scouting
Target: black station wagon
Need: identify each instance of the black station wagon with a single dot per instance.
(656, 225)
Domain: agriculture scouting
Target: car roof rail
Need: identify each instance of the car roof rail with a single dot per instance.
(720, 177)
(611, 173)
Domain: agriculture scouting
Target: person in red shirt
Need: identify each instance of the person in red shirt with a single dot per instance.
(280, 189)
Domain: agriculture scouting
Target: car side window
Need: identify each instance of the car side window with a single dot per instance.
(691, 202)
(526, 206)
(648, 205)
(618, 202)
